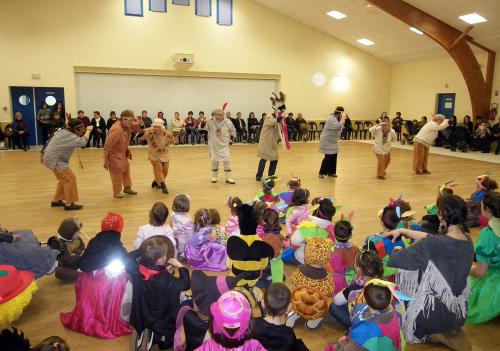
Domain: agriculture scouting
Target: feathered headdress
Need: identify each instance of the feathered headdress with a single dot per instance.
(266, 181)
(447, 185)
(278, 102)
(481, 178)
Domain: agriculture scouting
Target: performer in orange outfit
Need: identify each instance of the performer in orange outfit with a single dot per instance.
(117, 154)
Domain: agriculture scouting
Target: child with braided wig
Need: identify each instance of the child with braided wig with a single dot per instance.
(313, 284)
(297, 212)
(201, 250)
(232, 226)
(344, 253)
(318, 225)
(375, 323)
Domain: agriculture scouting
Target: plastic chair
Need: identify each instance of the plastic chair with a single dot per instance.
(313, 130)
(358, 130)
(367, 125)
(321, 126)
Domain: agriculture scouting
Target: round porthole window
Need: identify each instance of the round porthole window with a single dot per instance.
(24, 100)
(50, 100)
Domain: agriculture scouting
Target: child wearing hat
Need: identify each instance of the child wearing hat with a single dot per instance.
(16, 291)
(103, 290)
(313, 284)
(231, 325)
(156, 296)
(159, 141)
(271, 330)
(70, 247)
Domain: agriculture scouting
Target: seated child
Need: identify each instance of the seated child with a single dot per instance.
(297, 212)
(318, 225)
(201, 250)
(22, 250)
(483, 301)
(266, 193)
(156, 292)
(16, 291)
(259, 207)
(181, 222)
(313, 284)
(70, 247)
(13, 340)
(102, 298)
(193, 316)
(231, 325)
(270, 330)
(430, 222)
(367, 266)
(271, 227)
(232, 227)
(247, 252)
(157, 219)
(375, 323)
(286, 196)
(484, 184)
(390, 219)
(214, 222)
(343, 256)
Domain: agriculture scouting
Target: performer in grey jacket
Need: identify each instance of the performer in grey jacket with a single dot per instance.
(329, 142)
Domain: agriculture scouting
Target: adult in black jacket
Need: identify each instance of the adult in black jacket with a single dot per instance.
(156, 296)
(253, 128)
(98, 135)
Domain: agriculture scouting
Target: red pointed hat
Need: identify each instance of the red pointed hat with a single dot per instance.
(13, 282)
(113, 222)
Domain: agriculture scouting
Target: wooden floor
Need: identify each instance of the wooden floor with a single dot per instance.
(27, 188)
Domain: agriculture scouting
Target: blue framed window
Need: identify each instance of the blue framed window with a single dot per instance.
(225, 12)
(181, 2)
(134, 8)
(203, 8)
(158, 5)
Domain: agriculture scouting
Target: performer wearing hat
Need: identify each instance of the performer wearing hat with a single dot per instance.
(117, 154)
(221, 132)
(55, 156)
(159, 142)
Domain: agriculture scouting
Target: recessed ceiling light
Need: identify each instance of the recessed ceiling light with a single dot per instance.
(337, 15)
(416, 31)
(365, 41)
(473, 18)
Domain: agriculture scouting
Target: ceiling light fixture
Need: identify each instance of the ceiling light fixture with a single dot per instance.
(473, 18)
(365, 41)
(415, 30)
(337, 15)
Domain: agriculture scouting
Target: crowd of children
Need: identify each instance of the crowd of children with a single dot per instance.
(408, 284)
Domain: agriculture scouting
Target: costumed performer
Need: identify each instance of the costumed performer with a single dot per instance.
(221, 132)
(117, 154)
(329, 142)
(423, 140)
(55, 156)
(159, 142)
(383, 135)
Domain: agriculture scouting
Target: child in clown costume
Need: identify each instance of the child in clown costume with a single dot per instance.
(375, 322)
(266, 193)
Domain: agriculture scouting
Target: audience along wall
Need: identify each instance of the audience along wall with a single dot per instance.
(51, 37)
(415, 85)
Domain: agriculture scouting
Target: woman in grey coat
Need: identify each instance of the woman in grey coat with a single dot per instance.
(329, 143)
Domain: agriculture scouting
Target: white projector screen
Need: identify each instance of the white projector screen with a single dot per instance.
(116, 92)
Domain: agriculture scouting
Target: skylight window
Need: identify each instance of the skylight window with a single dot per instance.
(473, 18)
(415, 30)
(337, 15)
(365, 41)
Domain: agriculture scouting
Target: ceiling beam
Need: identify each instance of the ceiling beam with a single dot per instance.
(456, 43)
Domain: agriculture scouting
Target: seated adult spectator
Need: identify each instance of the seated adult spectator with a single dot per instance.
(86, 122)
(301, 127)
(112, 119)
(495, 133)
(481, 141)
(202, 121)
(459, 138)
(57, 121)
(98, 134)
(178, 128)
(468, 124)
(144, 122)
(290, 126)
(477, 123)
(21, 134)
(445, 135)
(162, 117)
(191, 128)
(397, 125)
(262, 118)
(241, 128)
(2, 140)
(423, 122)
(253, 128)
